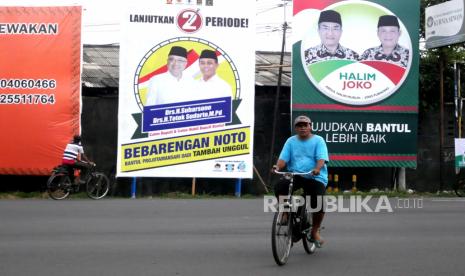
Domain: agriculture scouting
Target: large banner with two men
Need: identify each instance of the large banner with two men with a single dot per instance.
(355, 74)
(186, 99)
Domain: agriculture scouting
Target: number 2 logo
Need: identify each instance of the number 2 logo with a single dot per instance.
(189, 20)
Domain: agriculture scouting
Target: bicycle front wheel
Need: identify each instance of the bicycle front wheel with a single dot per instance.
(98, 186)
(309, 247)
(58, 186)
(281, 238)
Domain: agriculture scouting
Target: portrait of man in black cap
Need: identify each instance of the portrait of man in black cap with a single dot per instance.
(330, 31)
(389, 50)
(210, 85)
(172, 86)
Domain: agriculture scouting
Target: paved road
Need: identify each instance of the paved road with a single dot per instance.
(221, 237)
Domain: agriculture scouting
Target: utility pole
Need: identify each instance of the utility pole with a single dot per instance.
(441, 120)
(276, 101)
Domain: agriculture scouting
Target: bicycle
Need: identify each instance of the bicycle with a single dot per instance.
(284, 235)
(59, 185)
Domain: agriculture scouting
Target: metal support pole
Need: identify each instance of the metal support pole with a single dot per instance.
(133, 188)
(458, 100)
(401, 185)
(193, 187)
(441, 120)
(457, 105)
(237, 193)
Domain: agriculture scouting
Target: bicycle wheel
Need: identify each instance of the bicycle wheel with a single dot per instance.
(98, 186)
(281, 238)
(58, 186)
(460, 188)
(309, 247)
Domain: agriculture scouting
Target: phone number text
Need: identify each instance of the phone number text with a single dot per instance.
(28, 84)
(27, 98)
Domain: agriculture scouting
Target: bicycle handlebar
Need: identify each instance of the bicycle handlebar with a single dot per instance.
(92, 163)
(293, 173)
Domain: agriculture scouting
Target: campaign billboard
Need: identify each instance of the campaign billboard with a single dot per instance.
(444, 24)
(40, 86)
(186, 99)
(355, 74)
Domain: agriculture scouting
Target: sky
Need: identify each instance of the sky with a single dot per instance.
(100, 19)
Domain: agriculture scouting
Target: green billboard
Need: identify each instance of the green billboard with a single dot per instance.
(355, 74)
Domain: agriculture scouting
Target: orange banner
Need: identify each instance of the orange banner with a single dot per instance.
(40, 86)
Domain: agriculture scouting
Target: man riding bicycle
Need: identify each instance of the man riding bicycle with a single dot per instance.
(71, 159)
(302, 153)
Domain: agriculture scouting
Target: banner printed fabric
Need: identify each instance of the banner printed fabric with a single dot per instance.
(355, 74)
(40, 86)
(173, 123)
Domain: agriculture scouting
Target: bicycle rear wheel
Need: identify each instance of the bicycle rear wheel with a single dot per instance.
(98, 186)
(281, 238)
(58, 186)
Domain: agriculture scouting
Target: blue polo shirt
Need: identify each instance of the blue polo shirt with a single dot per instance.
(303, 155)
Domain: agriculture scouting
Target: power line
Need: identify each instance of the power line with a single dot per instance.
(102, 24)
(101, 31)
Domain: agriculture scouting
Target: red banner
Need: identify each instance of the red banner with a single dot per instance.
(40, 85)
